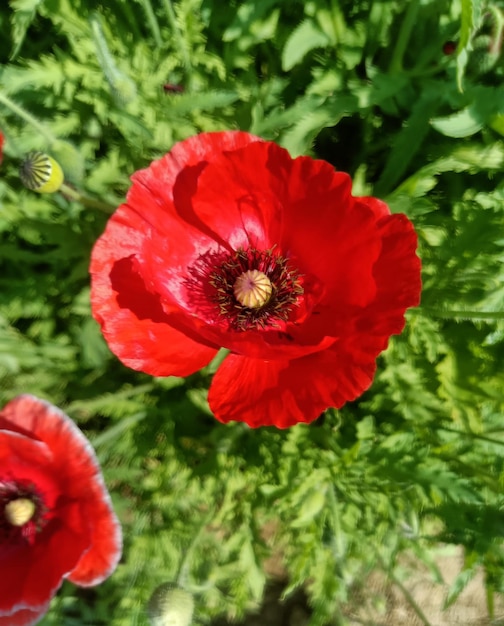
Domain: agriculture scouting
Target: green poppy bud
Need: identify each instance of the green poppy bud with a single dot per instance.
(41, 173)
(170, 605)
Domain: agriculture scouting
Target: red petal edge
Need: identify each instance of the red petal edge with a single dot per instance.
(24, 617)
(285, 393)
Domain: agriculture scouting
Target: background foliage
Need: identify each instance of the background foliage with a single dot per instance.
(405, 96)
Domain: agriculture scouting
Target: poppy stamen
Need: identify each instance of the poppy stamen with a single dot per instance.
(20, 511)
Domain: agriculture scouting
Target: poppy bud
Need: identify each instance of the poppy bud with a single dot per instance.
(170, 605)
(41, 173)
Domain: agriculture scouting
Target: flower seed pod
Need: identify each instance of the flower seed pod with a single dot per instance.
(169, 605)
(41, 173)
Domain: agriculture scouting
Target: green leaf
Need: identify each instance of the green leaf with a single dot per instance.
(310, 508)
(298, 139)
(248, 19)
(304, 38)
(23, 16)
(469, 21)
(464, 123)
(458, 585)
(408, 141)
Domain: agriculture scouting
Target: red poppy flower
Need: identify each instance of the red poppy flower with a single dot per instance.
(228, 242)
(56, 519)
(1, 146)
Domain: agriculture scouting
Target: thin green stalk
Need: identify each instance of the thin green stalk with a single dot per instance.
(408, 23)
(117, 429)
(27, 117)
(472, 435)
(498, 27)
(153, 23)
(183, 573)
(420, 614)
(91, 203)
(490, 601)
(337, 535)
(180, 39)
(465, 315)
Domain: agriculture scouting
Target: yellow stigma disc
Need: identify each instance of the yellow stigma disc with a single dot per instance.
(19, 511)
(253, 289)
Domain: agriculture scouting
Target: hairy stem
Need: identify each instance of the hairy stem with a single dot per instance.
(74, 194)
(27, 117)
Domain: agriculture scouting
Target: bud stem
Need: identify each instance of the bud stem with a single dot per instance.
(74, 194)
(27, 117)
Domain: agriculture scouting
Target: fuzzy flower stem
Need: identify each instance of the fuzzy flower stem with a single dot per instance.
(27, 117)
(471, 435)
(183, 573)
(498, 27)
(181, 42)
(91, 203)
(153, 23)
(416, 608)
(408, 23)
(465, 315)
(388, 570)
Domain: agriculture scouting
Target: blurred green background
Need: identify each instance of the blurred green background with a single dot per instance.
(405, 96)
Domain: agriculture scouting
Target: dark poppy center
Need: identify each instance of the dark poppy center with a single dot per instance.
(255, 289)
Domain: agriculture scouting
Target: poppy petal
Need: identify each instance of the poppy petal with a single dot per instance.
(160, 178)
(265, 198)
(31, 574)
(238, 195)
(284, 393)
(133, 321)
(398, 274)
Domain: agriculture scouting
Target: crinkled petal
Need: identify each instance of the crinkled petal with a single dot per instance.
(160, 178)
(260, 197)
(398, 276)
(133, 321)
(238, 195)
(101, 558)
(284, 393)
